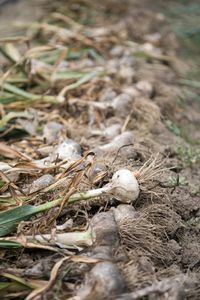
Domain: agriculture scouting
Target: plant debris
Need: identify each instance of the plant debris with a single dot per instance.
(99, 171)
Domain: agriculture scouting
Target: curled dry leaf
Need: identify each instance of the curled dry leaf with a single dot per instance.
(11, 152)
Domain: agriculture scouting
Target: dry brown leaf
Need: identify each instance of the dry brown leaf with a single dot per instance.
(51, 281)
(10, 152)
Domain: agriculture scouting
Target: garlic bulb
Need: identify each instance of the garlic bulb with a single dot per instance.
(124, 186)
(122, 104)
(108, 132)
(97, 172)
(51, 131)
(68, 149)
(145, 87)
(124, 212)
(119, 141)
(103, 280)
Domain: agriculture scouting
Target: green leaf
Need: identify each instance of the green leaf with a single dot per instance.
(173, 127)
(21, 281)
(26, 95)
(87, 77)
(12, 115)
(4, 285)
(11, 287)
(6, 98)
(10, 218)
(17, 91)
(69, 75)
(9, 244)
(10, 52)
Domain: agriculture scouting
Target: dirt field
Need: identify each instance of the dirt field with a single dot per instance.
(89, 89)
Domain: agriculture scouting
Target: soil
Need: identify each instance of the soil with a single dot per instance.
(158, 257)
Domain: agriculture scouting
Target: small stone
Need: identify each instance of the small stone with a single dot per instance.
(41, 183)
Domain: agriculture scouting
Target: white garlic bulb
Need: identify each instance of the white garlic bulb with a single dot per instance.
(68, 149)
(119, 141)
(124, 186)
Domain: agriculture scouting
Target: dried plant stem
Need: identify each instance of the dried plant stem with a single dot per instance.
(77, 238)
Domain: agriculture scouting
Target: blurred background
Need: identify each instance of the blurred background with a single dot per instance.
(182, 18)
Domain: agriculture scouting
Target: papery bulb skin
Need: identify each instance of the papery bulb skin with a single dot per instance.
(124, 186)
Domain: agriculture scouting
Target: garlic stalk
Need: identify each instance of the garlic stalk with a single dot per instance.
(63, 240)
(123, 186)
(102, 230)
(82, 238)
